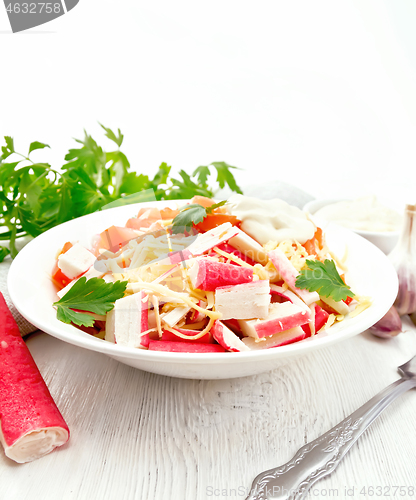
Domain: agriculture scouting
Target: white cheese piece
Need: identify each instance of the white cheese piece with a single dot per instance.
(109, 278)
(97, 270)
(66, 289)
(174, 316)
(127, 321)
(340, 307)
(245, 301)
(77, 260)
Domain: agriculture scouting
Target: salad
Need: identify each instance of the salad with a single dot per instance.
(238, 275)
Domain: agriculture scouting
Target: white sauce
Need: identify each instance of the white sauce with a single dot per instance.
(365, 214)
(271, 220)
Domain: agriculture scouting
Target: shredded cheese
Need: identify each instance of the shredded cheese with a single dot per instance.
(165, 275)
(340, 262)
(193, 337)
(155, 302)
(330, 321)
(167, 292)
(233, 257)
(362, 303)
(210, 298)
(312, 322)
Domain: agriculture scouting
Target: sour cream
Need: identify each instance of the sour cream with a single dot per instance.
(271, 220)
(365, 214)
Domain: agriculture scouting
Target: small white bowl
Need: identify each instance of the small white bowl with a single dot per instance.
(384, 240)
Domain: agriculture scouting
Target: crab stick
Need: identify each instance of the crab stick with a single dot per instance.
(249, 247)
(289, 273)
(194, 347)
(282, 316)
(128, 320)
(208, 275)
(245, 301)
(170, 336)
(228, 339)
(278, 339)
(213, 237)
(30, 425)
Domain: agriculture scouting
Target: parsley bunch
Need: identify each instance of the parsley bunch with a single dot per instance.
(35, 197)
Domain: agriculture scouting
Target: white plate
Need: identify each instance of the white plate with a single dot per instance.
(32, 292)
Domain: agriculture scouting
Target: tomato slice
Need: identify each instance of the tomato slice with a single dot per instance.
(214, 220)
(66, 247)
(309, 246)
(315, 243)
(168, 213)
(203, 201)
(58, 277)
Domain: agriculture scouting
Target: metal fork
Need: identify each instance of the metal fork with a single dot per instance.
(320, 457)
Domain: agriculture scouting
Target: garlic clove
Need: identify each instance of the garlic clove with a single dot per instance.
(403, 258)
(388, 326)
(405, 302)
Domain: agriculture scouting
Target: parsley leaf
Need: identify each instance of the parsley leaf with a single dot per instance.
(202, 174)
(193, 213)
(210, 209)
(8, 149)
(323, 277)
(89, 296)
(37, 145)
(3, 252)
(224, 176)
(189, 215)
(112, 136)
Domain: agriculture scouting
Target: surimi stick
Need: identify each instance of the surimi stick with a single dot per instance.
(30, 423)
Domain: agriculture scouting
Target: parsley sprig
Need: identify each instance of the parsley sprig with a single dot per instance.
(323, 277)
(192, 214)
(89, 296)
(35, 197)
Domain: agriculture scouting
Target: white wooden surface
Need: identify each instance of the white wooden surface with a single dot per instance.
(135, 435)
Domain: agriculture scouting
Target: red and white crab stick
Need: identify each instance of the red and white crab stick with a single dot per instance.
(30, 423)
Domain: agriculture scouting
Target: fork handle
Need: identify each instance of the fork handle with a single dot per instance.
(320, 457)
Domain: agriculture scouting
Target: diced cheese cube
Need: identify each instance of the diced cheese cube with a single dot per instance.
(77, 260)
(282, 316)
(245, 301)
(127, 321)
(175, 315)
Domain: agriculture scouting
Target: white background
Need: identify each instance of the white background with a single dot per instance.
(317, 93)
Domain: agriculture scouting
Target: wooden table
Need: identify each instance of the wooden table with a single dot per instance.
(135, 435)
